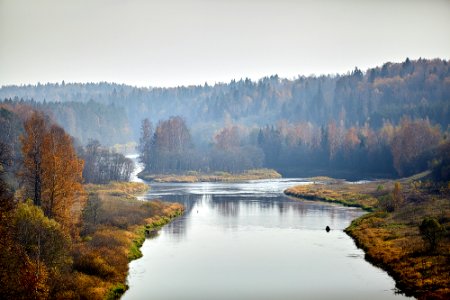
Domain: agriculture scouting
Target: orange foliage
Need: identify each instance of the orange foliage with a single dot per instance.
(351, 140)
(228, 138)
(52, 170)
(410, 140)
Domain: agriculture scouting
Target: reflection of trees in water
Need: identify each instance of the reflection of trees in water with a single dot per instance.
(226, 206)
(303, 208)
(233, 206)
(285, 206)
(177, 228)
(187, 200)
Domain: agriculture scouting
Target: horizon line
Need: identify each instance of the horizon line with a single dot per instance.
(255, 80)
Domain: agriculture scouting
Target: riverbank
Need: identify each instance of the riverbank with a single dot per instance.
(114, 227)
(338, 191)
(193, 176)
(391, 237)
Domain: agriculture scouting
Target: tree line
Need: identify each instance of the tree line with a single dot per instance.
(393, 150)
(39, 220)
(103, 165)
(111, 113)
(42, 201)
(169, 148)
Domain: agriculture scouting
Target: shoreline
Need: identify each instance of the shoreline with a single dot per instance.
(193, 176)
(391, 240)
(295, 195)
(141, 234)
(114, 228)
(404, 289)
(337, 191)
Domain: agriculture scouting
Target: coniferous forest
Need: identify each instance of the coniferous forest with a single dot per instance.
(390, 117)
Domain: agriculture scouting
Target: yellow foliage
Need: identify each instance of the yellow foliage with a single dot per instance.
(101, 261)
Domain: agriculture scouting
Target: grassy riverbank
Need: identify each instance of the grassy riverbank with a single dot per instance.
(336, 191)
(192, 176)
(114, 227)
(390, 234)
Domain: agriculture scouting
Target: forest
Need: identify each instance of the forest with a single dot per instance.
(69, 221)
(304, 126)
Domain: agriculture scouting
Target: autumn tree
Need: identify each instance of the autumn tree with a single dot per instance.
(227, 138)
(52, 172)
(231, 154)
(32, 148)
(351, 141)
(62, 176)
(412, 139)
(170, 147)
(91, 213)
(102, 165)
(43, 239)
(20, 276)
(91, 156)
(333, 140)
(441, 164)
(10, 129)
(397, 195)
(145, 141)
(172, 135)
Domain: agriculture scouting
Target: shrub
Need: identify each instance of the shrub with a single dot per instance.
(116, 291)
(432, 232)
(387, 203)
(42, 238)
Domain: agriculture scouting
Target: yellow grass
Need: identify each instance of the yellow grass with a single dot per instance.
(101, 257)
(346, 194)
(192, 176)
(128, 189)
(392, 240)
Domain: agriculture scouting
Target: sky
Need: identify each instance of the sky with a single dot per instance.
(184, 42)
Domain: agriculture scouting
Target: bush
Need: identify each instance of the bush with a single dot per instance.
(116, 291)
(441, 164)
(387, 203)
(432, 232)
(42, 238)
(93, 264)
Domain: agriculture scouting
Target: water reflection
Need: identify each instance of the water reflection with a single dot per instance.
(249, 241)
(229, 206)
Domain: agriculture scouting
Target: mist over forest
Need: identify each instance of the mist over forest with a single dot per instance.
(383, 121)
(194, 149)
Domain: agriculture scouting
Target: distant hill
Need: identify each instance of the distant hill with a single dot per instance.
(112, 112)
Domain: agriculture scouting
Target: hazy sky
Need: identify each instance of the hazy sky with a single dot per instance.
(168, 42)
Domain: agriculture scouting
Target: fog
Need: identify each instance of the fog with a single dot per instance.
(345, 123)
(182, 42)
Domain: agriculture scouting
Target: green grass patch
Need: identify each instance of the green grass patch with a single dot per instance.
(116, 291)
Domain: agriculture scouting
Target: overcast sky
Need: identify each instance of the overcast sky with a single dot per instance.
(169, 43)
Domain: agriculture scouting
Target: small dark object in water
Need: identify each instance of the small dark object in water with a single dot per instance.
(327, 228)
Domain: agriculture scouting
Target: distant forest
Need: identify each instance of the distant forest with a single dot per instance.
(386, 120)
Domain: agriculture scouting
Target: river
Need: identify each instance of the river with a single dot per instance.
(249, 241)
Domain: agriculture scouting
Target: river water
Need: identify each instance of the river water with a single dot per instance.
(249, 241)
